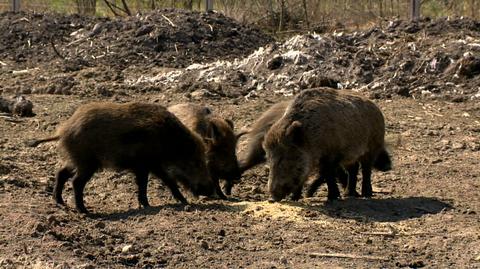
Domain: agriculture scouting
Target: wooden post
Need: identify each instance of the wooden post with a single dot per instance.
(15, 5)
(414, 10)
(208, 5)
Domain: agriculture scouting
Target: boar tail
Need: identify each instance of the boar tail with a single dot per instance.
(34, 143)
(383, 162)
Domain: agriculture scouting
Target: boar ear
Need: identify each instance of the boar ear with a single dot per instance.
(230, 123)
(213, 132)
(294, 133)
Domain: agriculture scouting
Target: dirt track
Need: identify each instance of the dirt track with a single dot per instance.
(425, 212)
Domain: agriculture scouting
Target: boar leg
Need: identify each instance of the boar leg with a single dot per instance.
(351, 188)
(315, 185)
(328, 171)
(218, 189)
(297, 193)
(61, 177)
(366, 179)
(141, 178)
(79, 182)
(172, 185)
(228, 187)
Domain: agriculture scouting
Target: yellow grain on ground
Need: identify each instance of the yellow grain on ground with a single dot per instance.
(287, 211)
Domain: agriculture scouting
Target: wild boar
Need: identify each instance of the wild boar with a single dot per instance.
(321, 130)
(254, 153)
(139, 137)
(219, 139)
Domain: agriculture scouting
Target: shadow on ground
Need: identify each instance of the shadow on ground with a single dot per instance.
(153, 210)
(380, 209)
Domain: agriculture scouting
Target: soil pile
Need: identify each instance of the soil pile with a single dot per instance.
(168, 38)
(425, 59)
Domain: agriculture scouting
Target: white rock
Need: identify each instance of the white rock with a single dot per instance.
(127, 248)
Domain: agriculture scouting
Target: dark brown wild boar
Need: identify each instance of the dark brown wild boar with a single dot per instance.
(142, 138)
(321, 130)
(219, 139)
(255, 154)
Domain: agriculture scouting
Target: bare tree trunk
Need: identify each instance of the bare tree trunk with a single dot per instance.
(282, 15)
(473, 8)
(272, 15)
(380, 7)
(188, 4)
(114, 8)
(306, 13)
(125, 7)
(86, 7)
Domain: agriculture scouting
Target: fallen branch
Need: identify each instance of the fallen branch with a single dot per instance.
(171, 23)
(380, 233)
(11, 119)
(56, 51)
(2, 63)
(112, 8)
(24, 71)
(347, 256)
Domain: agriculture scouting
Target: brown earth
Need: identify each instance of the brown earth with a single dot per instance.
(425, 212)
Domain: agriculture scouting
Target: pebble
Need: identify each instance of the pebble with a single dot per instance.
(222, 232)
(202, 93)
(127, 248)
(474, 146)
(458, 145)
(52, 220)
(87, 266)
(204, 244)
(416, 264)
(40, 228)
(5, 262)
(64, 265)
(407, 133)
(100, 225)
(256, 190)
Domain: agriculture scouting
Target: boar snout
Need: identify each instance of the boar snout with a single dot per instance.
(278, 191)
(206, 188)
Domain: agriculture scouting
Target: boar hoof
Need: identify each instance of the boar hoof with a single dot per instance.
(367, 194)
(59, 201)
(296, 196)
(353, 194)
(221, 195)
(333, 197)
(82, 210)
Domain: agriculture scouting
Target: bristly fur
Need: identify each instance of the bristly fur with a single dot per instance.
(254, 153)
(219, 139)
(330, 128)
(143, 138)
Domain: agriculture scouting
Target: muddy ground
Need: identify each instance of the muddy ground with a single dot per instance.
(424, 213)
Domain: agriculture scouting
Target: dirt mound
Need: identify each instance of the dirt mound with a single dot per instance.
(169, 38)
(26, 37)
(425, 59)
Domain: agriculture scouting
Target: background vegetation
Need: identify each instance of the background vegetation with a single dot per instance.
(277, 16)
